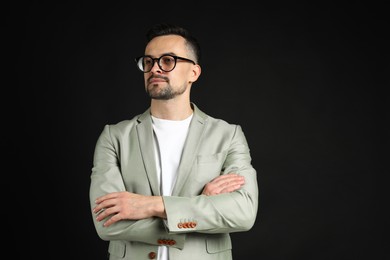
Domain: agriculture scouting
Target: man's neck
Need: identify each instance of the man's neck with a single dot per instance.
(170, 109)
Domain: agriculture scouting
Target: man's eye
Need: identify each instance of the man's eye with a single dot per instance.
(167, 60)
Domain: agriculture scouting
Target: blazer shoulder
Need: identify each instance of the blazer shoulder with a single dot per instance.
(202, 117)
(220, 123)
(124, 126)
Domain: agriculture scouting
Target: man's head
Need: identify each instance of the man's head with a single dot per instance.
(170, 62)
(169, 29)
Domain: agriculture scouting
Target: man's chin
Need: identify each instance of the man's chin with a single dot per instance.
(160, 98)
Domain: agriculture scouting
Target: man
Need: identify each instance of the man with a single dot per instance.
(172, 182)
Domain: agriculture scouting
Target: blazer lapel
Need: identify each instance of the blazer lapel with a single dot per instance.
(145, 138)
(190, 149)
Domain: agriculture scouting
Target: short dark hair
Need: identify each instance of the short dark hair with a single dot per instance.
(168, 29)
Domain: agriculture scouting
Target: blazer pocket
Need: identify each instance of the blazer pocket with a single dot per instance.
(117, 248)
(211, 158)
(218, 243)
(209, 166)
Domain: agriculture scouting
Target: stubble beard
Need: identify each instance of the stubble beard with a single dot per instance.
(165, 93)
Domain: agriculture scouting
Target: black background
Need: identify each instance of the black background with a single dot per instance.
(306, 83)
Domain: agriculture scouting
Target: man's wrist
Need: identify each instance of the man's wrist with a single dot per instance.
(159, 208)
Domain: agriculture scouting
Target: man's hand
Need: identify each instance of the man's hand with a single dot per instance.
(126, 205)
(224, 184)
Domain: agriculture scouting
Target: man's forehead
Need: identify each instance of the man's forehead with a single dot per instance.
(172, 44)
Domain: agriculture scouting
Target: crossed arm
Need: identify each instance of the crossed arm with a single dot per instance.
(117, 206)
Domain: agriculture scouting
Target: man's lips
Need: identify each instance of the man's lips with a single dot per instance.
(151, 81)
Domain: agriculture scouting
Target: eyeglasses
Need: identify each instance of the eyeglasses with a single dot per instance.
(166, 62)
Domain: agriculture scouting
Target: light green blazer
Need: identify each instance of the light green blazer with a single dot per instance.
(197, 226)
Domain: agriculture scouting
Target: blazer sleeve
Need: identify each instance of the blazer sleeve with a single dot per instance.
(106, 177)
(223, 213)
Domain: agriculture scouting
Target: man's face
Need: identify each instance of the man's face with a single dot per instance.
(167, 85)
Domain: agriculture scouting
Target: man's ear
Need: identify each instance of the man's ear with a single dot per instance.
(196, 71)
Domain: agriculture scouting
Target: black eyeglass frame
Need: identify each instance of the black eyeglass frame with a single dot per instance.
(158, 61)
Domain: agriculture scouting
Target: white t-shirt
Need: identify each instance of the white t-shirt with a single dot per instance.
(169, 139)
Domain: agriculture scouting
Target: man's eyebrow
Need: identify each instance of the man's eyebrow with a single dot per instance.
(167, 53)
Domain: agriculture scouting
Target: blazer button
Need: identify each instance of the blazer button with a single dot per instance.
(180, 225)
(152, 255)
(171, 242)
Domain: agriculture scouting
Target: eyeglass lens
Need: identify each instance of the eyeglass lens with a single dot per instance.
(166, 63)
